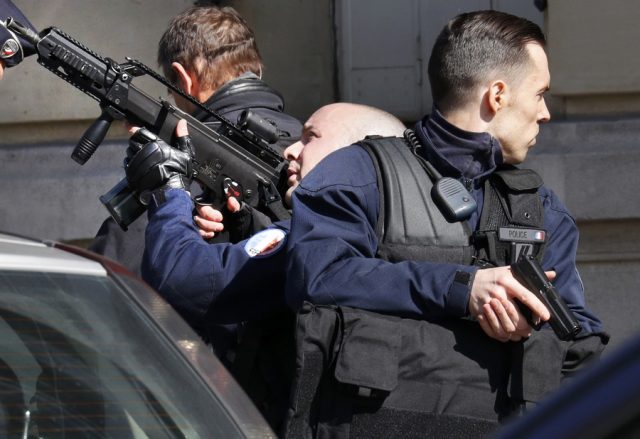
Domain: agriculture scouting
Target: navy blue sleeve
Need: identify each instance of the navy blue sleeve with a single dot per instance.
(332, 248)
(560, 255)
(220, 282)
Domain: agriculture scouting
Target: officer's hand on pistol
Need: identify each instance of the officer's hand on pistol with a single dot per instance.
(492, 304)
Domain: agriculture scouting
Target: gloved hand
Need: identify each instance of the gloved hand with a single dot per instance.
(152, 165)
(243, 220)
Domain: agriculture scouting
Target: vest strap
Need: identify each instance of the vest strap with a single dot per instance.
(511, 203)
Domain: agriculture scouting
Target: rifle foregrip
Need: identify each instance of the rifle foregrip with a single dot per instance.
(530, 274)
(92, 138)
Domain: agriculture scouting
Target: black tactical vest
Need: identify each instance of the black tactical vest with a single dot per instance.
(411, 227)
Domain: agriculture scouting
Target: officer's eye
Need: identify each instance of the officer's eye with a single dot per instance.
(541, 94)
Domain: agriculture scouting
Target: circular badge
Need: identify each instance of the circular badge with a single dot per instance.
(265, 243)
(10, 48)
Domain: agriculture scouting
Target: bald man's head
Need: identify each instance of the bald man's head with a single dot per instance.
(332, 127)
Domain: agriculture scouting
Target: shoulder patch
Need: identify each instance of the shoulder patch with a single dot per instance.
(265, 243)
(9, 48)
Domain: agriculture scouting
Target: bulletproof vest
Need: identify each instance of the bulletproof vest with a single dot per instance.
(411, 227)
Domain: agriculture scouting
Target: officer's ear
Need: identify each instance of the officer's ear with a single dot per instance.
(497, 95)
(187, 80)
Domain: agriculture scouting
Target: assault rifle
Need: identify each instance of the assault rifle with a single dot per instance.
(225, 157)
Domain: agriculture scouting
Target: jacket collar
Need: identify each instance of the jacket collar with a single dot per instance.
(455, 152)
(238, 94)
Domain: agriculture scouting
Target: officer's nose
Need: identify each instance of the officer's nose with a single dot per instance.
(292, 152)
(544, 115)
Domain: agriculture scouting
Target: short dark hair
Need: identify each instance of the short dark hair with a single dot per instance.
(216, 43)
(472, 46)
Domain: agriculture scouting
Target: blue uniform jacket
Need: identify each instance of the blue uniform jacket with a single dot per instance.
(209, 284)
(332, 247)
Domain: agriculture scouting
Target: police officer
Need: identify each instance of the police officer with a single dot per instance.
(211, 54)
(224, 284)
(13, 49)
(488, 73)
(486, 115)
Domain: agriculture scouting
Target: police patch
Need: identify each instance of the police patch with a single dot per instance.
(521, 235)
(265, 243)
(9, 48)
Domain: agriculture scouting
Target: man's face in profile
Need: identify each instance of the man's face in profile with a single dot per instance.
(324, 132)
(518, 123)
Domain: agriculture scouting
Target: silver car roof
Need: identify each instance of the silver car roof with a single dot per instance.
(22, 254)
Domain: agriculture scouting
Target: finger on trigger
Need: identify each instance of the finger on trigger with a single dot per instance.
(529, 300)
(515, 290)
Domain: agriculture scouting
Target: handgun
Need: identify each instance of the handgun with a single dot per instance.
(529, 273)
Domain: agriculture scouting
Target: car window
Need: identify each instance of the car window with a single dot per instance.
(78, 356)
